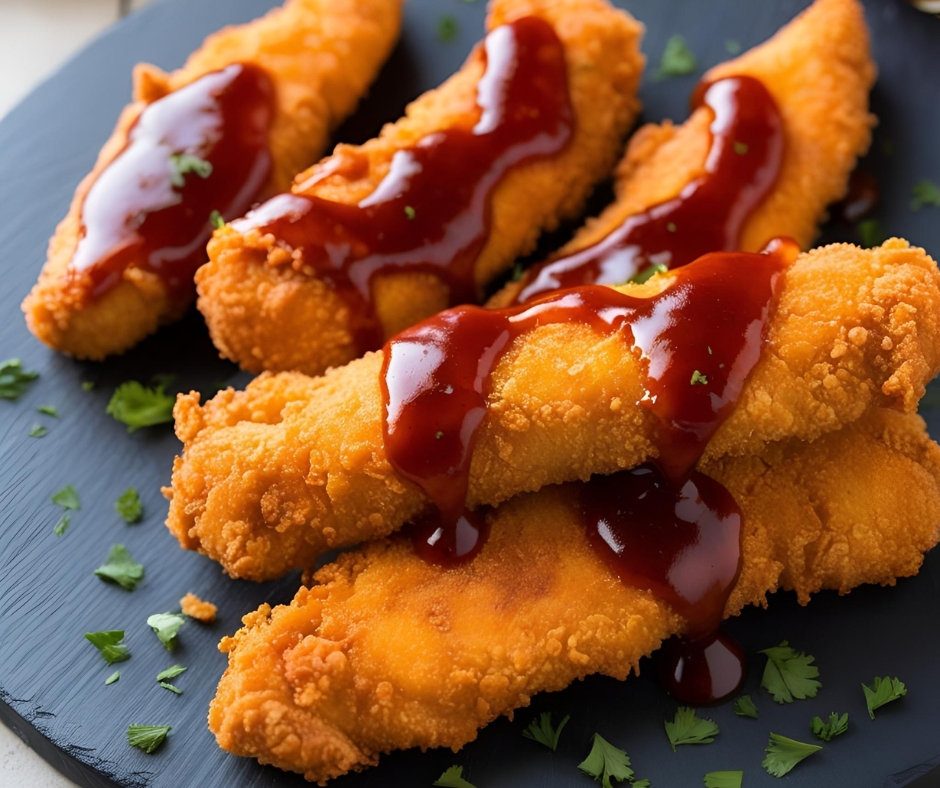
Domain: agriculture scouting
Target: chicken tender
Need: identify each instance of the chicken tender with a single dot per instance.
(819, 71)
(388, 652)
(277, 316)
(275, 475)
(320, 56)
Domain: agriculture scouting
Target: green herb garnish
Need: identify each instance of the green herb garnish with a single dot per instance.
(171, 688)
(37, 431)
(677, 59)
(783, 754)
(112, 678)
(453, 778)
(926, 194)
(606, 762)
(137, 406)
(732, 47)
(870, 233)
(744, 707)
(182, 164)
(410, 212)
(724, 779)
(216, 220)
(166, 626)
(111, 645)
(129, 506)
(836, 726)
(64, 522)
(686, 728)
(171, 673)
(648, 273)
(882, 691)
(541, 730)
(13, 379)
(120, 568)
(48, 410)
(147, 737)
(67, 498)
(447, 29)
(740, 148)
(698, 379)
(88, 385)
(789, 675)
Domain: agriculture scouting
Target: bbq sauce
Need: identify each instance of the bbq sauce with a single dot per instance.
(682, 543)
(432, 212)
(861, 199)
(741, 168)
(699, 338)
(201, 148)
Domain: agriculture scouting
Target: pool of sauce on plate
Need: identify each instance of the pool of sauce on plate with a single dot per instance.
(662, 526)
(741, 168)
(144, 211)
(432, 211)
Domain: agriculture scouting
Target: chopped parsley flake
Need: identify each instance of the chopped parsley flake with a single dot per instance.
(48, 410)
(732, 47)
(112, 678)
(836, 726)
(698, 379)
(453, 778)
(870, 233)
(171, 673)
(410, 212)
(171, 688)
(686, 728)
(67, 498)
(783, 754)
(740, 148)
(882, 691)
(744, 707)
(88, 385)
(926, 194)
(438, 435)
(447, 29)
(110, 643)
(216, 220)
(13, 379)
(147, 737)
(137, 406)
(724, 779)
(648, 273)
(677, 59)
(64, 522)
(120, 568)
(182, 164)
(37, 431)
(166, 626)
(789, 674)
(541, 730)
(606, 762)
(671, 227)
(129, 506)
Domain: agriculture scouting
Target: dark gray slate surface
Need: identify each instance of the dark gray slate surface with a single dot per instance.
(51, 681)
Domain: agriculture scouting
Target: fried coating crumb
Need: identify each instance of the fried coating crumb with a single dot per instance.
(277, 318)
(819, 71)
(321, 56)
(273, 476)
(388, 652)
(197, 608)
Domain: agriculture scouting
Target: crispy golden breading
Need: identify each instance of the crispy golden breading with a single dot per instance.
(390, 652)
(321, 56)
(273, 476)
(277, 318)
(819, 70)
(197, 608)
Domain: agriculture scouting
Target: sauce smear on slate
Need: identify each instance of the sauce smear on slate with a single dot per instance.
(741, 168)
(201, 148)
(432, 211)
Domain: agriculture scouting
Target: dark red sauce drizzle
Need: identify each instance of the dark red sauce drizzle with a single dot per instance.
(741, 168)
(432, 211)
(708, 323)
(134, 212)
(861, 199)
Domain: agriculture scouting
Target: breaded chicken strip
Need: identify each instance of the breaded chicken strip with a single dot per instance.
(389, 652)
(819, 71)
(275, 475)
(277, 317)
(321, 56)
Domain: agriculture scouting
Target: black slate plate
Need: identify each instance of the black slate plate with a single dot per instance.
(51, 680)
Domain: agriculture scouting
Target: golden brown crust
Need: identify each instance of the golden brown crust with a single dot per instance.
(275, 317)
(321, 56)
(819, 70)
(388, 652)
(273, 476)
